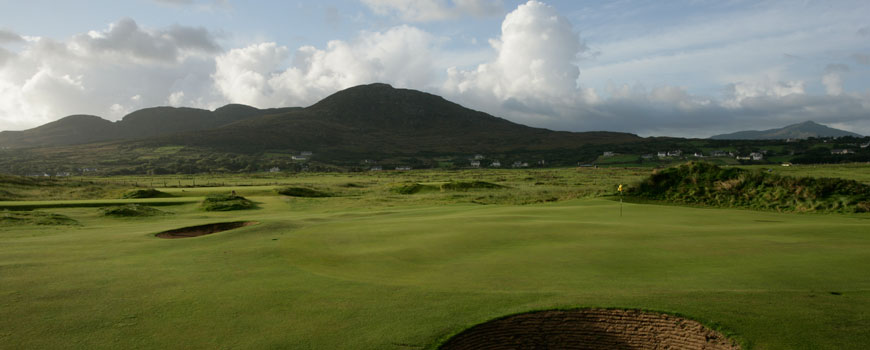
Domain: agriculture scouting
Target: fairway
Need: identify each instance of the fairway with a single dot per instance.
(323, 273)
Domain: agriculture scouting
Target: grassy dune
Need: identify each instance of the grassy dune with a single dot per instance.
(373, 269)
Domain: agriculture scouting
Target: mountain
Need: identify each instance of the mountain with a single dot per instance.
(145, 123)
(378, 118)
(795, 131)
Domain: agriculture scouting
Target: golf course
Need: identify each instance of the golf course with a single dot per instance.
(407, 260)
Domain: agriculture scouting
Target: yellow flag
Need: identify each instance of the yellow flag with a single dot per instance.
(620, 188)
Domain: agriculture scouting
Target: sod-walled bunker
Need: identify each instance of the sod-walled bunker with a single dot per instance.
(201, 230)
(590, 329)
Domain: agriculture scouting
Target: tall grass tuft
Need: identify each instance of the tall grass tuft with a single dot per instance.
(707, 184)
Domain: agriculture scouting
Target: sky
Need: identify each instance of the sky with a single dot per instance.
(689, 68)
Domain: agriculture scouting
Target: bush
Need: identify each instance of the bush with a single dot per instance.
(226, 202)
(707, 184)
(131, 210)
(147, 193)
(302, 192)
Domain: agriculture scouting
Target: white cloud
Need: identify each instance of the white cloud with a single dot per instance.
(434, 10)
(97, 73)
(258, 74)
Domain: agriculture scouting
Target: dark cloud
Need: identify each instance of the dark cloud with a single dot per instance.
(9, 36)
(127, 38)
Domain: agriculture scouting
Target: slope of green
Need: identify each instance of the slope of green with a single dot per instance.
(707, 184)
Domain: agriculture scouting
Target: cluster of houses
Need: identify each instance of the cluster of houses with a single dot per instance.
(755, 156)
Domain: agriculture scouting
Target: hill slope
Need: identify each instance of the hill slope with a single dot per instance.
(795, 131)
(379, 118)
(144, 123)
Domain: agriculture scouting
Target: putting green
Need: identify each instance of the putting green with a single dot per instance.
(346, 277)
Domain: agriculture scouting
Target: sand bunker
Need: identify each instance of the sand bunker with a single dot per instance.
(590, 329)
(201, 230)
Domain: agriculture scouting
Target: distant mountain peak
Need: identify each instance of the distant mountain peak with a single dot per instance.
(802, 130)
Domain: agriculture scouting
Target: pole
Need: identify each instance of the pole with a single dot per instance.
(620, 205)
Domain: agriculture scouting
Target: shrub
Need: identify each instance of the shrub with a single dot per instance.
(707, 184)
(226, 202)
(302, 192)
(131, 210)
(146, 193)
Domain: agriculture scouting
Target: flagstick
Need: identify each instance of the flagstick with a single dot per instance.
(620, 205)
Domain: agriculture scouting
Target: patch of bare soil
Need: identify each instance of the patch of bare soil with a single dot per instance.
(201, 230)
(590, 329)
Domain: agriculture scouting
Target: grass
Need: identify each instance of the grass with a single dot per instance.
(15, 218)
(373, 269)
(706, 184)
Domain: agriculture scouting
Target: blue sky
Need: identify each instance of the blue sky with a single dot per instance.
(681, 68)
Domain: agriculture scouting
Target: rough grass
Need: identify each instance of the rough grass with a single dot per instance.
(707, 184)
(302, 192)
(146, 193)
(8, 196)
(226, 202)
(15, 218)
(131, 210)
(469, 185)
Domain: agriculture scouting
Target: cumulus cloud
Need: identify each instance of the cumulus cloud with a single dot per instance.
(535, 70)
(107, 73)
(263, 74)
(434, 10)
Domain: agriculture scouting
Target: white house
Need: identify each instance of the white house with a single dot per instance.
(475, 164)
(676, 153)
(609, 154)
(495, 164)
(403, 167)
(306, 153)
(865, 145)
(298, 158)
(756, 156)
(478, 157)
(376, 168)
(519, 164)
(274, 169)
(662, 154)
(842, 151)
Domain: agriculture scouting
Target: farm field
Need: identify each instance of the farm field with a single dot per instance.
(401, 261)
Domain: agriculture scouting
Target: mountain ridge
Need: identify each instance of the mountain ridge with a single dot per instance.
(379, 118)
(803, 130)
(144, 123)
